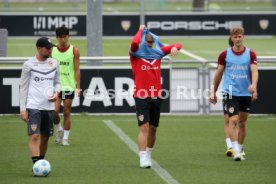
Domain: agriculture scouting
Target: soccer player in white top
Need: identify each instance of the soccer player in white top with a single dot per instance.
(39, 87)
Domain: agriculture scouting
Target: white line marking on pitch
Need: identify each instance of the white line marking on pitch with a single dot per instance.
(133, 146)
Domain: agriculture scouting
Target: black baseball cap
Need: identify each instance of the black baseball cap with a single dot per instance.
(44, 42)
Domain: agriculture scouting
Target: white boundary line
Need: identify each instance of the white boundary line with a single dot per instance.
(132, 146)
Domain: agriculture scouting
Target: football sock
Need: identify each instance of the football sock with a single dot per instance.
(59, 127)
(35, 159)
(149, 151)
(41, 157)
(142, 153)
(235, 147)
(240, 147)
(66, 134)
(228, 143)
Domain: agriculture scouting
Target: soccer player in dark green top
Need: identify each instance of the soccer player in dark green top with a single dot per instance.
(68, 57)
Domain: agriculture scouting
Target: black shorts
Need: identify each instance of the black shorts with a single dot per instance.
(66, 95)
(232, 105)
(40, 122)
(148, 110)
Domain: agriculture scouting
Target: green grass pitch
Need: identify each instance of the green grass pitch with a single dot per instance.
(190, 148)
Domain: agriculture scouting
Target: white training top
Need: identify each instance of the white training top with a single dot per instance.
(39, 81)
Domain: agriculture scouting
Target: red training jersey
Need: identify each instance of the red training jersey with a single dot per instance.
(147, 73)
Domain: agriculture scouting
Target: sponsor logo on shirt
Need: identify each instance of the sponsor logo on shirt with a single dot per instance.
(65, 74)
(37, 79)
(144, 67)
(65, 63)
(239, 67)
(238, 76)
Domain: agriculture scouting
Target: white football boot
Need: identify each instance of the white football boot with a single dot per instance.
(59, 137)
(65, 142)
(237, 156)
(144, 161)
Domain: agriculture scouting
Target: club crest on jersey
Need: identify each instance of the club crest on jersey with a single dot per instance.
(50, 63)
(231, 109)
(141, 117)
(33, 127)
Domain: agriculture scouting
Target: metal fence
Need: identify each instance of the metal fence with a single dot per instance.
(189, 85)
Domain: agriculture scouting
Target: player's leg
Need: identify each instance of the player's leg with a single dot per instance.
(153, 124)
(43, 146)
(143, 136)
(245, 103)
(242, 127)
(34, 124)
(142, 113)
(233, 133)
(229, 151)
(34, 142)
(242, 131)
(151, 136)
(232, 108)
(57, 123)
(57, 109)
(67, 104)
(142, 145)
(46, 131)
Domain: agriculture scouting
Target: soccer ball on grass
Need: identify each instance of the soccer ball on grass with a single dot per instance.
(42, 168)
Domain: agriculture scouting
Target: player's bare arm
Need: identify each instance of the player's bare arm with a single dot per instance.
(216, 82)
(255, 76)
(77, 69)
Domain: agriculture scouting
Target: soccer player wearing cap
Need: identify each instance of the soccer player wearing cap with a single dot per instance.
(239, 66)
(68, 57)
(146, 53)
(39, 87)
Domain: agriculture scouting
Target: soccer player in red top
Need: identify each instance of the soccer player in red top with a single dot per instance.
(146, 53)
